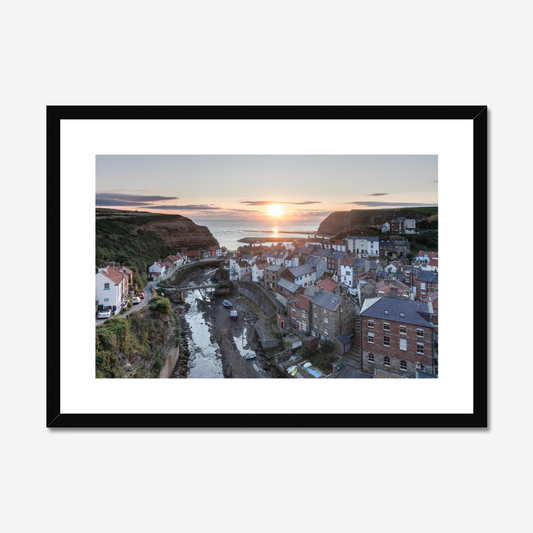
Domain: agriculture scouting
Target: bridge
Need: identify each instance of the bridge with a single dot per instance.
(188, 288)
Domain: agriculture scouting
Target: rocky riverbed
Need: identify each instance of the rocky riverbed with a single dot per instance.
(214, 345)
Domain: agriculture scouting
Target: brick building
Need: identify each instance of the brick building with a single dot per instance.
(331, 316)
(272, 275)
(425, 283)
(397, 337)
(299, 312)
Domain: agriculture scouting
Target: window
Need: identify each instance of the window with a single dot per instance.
(370, 323)
(315, 315)
(420, 348)
(325, 332)
(106, 285)
(386, 326)
(420, 333)
(106, 299)
(403, 365)
(386, 340)
(371, 338)
(403, 330)
(403, 344)
(326, 320)
(422, 285)
(371, 358)
(402, 315)
(386, 312)
(386, 361)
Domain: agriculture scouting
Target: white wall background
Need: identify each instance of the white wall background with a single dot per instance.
(238, 52)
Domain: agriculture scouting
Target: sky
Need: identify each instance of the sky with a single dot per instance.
(299, 187)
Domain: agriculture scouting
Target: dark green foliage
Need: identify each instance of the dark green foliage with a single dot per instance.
(160, 304)
(118, 241)
(107, 365)
(141, 333)
(322, 358)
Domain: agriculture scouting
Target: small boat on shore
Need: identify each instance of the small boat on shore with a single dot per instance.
(227, 303)
(233, 314)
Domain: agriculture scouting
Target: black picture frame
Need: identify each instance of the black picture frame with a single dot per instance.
(477, 419)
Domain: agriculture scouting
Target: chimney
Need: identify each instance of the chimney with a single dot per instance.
(367, 266)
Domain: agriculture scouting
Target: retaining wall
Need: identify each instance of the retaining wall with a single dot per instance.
(170, 363)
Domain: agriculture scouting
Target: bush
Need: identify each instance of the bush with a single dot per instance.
(160, 304)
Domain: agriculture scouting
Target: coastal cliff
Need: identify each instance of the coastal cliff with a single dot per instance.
(138, 238)
(345, 221)
(181, 233)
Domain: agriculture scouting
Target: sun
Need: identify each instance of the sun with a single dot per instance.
(275, 210)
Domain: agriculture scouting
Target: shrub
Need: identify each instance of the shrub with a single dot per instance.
(160, 304)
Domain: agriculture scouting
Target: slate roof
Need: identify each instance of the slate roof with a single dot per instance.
(327, 300)
(361, 263)
(428, 276)
(336, 254)
(313, 261)
(416, 313)
(398, 219)
(305, 250)
(302, 270)
(289, 285)
(273, 268)
(386, 243)
(320, 253)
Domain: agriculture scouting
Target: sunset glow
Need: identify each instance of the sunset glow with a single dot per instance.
(275, 210)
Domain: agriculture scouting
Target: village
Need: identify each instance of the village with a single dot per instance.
(369, 297)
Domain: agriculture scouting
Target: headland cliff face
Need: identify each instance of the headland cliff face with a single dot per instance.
(177, 232)
(181, 233)
(343, 221)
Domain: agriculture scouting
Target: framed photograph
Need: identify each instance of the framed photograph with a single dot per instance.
(269, 266)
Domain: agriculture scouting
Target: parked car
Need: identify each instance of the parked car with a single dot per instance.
(104, 313)
(141, 294)
(135, 300)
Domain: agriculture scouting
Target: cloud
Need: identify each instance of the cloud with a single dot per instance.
(390, 204)
(268, 202)
(106, 199)
(183, 207)
(379, 194)
(314, 213)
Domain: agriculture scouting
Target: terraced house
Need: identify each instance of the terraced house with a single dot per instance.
(332, 316)
(397, 337)
(299, 312)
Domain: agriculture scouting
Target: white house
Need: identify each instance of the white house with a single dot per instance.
(109, 287)
(410, 225)
(347, 272)
(291, 261)
(385, 227)
(243, 269)
(258, 271)
(365, 246)
(303, 275)
(279, 258)
(158, 267)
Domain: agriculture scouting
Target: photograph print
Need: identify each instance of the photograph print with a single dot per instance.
(266, 266)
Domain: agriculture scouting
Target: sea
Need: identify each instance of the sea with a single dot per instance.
(228, 232)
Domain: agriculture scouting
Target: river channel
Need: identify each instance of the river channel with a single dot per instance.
(217, 344)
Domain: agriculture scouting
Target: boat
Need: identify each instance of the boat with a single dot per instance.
(233, 314)
(251, 356)
(227, 303)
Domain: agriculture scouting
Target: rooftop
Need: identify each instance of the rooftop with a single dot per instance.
(415, 313)
(327, 300)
